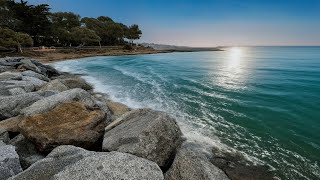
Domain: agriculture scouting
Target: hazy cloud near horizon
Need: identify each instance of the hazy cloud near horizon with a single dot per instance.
(209, 22)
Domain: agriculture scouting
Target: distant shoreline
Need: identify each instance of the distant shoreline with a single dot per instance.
(73, 53)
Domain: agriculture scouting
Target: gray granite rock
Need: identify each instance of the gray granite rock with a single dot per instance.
(29, 65)
(238, 167)
(26, 150)
(29, 84)
(76, 82)
(4, 135)
(16, 91)
(54, 85)
(145, 133)
(10, 84)
(10, 76)
(70, 162)
(35, 81)
(50, 102)
(35, 75)
(54, 162)
(11, 106)
(46, 69)
(9, 161)
(191, 163)
(5, 68)
(113, 165)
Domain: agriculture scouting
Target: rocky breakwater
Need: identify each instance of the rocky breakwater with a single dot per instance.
(54, 126)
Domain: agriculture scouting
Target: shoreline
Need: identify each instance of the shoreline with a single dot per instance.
(69, 54)
(54, 89)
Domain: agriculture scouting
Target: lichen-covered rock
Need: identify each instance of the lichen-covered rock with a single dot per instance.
(191, 163)
(50, 102)
(26, 150)
(11, 106)
(76, 82)
(54, 85)
(113, 165)
(35, 75)
(10, 124)
(70, 123)
(145, 133)
(9, 161)
(238, 167)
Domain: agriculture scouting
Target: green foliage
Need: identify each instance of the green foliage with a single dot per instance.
(133, 32)
(84, 36)
(32, 19)
(65, 20)
(11, 39)
(60, 28)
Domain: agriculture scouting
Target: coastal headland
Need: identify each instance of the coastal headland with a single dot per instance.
(54, 125)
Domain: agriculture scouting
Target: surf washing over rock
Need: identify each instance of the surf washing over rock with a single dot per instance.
(54, 125)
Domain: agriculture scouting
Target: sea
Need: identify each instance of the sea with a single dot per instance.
(262, 101)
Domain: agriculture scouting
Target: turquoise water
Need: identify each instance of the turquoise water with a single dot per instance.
(264, 101)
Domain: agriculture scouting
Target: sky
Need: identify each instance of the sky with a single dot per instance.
(208, 23)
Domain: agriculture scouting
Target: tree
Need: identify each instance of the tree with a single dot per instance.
(12, 39)
(105, 19)
(133, 33)
(6, 16)
(83, 36)
(65, 20)
(33, 20)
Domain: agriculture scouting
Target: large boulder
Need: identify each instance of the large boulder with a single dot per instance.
(26, 83)
(35, 75)
(50, 102)
(11, 106)
(46, 69)
(76, 82)
(9, 161)
(54, 85)
(54, 162)
(26, 150)
(113, 165)
(145, 133)
(191, 163)
(69, 162)
(68, 123)
(10, 124)
(238, 167)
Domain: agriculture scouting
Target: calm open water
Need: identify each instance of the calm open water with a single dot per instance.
(264, 101)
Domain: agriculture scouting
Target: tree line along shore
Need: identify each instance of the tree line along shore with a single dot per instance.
(26, 25)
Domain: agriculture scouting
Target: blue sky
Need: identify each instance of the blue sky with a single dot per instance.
(209, 22)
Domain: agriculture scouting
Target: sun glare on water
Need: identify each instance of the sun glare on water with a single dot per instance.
(235, 57)
(233, 73)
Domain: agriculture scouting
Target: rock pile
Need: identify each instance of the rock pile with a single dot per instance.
(54, 126)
